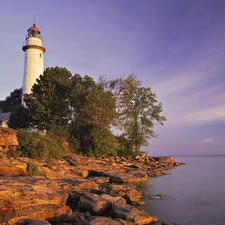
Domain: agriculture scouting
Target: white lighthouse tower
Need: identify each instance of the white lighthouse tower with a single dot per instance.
(34, 59)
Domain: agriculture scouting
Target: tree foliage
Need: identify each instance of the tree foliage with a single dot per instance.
(75, 103)
(137, 110)
(19, 118)
(36, 145)
(81, 112)
(12, 101)
(49, 101)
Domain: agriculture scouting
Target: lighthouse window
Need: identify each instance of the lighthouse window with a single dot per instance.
(40, 55)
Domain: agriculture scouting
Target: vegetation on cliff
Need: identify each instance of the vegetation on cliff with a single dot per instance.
(85, 114)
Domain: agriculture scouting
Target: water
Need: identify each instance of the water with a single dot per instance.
(195, 192)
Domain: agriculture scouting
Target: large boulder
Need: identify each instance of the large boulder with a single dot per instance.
(31, 198)
(50, 212)
(95, 204)
(8, 139)
(104, 221)
(133, 196)
(113, 200)
(125, 177)
(12, 167)
(131, 214)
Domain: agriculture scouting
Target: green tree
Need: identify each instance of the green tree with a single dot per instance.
(11, 101)
(19, 118)
(49, 101)
(94, 111)
(138, 110)
(77, 104)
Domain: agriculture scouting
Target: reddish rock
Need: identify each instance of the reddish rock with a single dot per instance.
(32, 222)
(132, 214)
(50, 212)
(121, 187)
(8, 139)
(12, 167)
(104, 221)
(101, 180)
(113, 200)
(86, 185)
(46, 197)
(95, 204)
(123, 177)
(133, 196)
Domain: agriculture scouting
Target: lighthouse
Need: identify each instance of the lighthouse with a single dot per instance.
(34, 59)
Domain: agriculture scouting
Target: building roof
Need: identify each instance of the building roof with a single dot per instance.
(34, 27)
(4, 116)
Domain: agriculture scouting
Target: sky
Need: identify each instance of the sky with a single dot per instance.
(176, 47)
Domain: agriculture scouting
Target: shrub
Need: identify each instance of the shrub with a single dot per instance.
(33, 144)
(32, 170)
(125, 146)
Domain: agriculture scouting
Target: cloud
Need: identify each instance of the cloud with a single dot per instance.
(192, 96)
(212, 139)
(213, 114)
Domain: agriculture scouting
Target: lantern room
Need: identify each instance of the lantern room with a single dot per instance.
(34, 31)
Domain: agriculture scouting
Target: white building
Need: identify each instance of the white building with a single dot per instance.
(34, 58)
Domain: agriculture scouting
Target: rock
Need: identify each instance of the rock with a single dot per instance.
(104, 221)
(158, 196)
(30, 197)
(123, 177)
(133, 196)
(132, 214)
(167, 223)
(154, 172)
(50, 212)
(120, 187)
(74, 197)
(8, 139)
(143, 186)
(74, 182)
(12, 167)
(95, 204)
(82, 173)
(113, 200)
(86, 185)
(123, 222)
(32, 222)
(102, 180)
(178, 164)
(139, 203)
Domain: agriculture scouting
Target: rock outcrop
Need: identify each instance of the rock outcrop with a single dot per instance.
(8, 140)
(75, 190)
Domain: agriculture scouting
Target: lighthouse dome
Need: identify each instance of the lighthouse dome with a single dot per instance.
(34, 27)
(34, 31)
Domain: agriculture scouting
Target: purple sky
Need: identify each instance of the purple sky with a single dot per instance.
(176, 47)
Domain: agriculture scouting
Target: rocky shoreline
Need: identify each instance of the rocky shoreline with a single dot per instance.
(76, 190)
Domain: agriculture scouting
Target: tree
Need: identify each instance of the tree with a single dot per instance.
(49, 101)
(137, 109)
(75, 103)
(19, 118)
(11, 101)
(87, 111)
(94, 111)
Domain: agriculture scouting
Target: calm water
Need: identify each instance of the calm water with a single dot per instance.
(195, 192)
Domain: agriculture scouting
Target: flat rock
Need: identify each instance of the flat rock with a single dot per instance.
(95, 204)
(32, 222)
(74, 181)
(50, 212)
(104, 221)
(132, 214)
